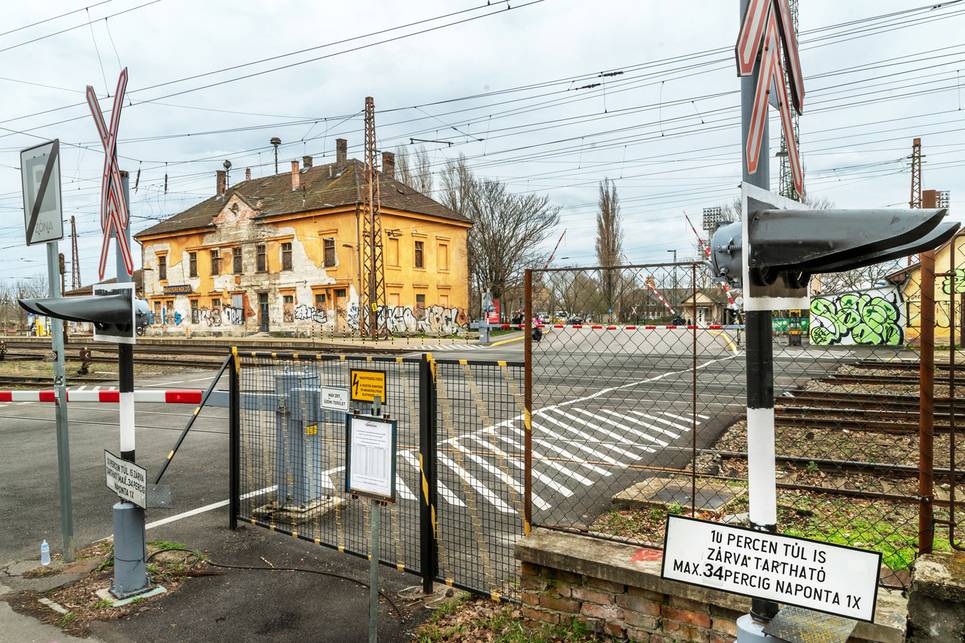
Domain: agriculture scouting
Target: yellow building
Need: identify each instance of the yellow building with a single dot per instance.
(949, 291)
(282, 254)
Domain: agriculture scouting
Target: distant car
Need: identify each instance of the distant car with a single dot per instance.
(575, 320)
(678, 321)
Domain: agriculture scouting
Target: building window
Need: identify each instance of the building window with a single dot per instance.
(320, 301)
(444, 301)
(157, 312)
(236, 260)
(195, 314)
(442, 256)
(420, 254)
(286, 256)
(393, 253)
(420, 301)
(329, 252)
(215, 303)
(262, 258)
(193, 263)
(162, 268)
(215, 263)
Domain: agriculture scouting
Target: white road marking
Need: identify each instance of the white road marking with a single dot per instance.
(642, 434)
(483, 489)
(448, 495)
(515, 460)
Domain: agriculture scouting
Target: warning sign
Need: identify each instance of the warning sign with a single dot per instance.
(367, 384)
(126, 479)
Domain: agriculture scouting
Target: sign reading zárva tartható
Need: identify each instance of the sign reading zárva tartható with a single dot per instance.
(794, 571)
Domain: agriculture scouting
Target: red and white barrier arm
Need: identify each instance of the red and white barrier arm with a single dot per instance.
(162, 397)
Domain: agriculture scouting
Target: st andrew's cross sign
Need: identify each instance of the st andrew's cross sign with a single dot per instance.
(113, 205)
(767, 24)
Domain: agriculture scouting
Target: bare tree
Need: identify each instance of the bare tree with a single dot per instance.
(414, 169)
(609, 237)
(507, 228)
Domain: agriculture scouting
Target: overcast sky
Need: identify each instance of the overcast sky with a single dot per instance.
(515, 87)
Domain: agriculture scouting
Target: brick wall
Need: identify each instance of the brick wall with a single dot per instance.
(556, 596)
(616, 588)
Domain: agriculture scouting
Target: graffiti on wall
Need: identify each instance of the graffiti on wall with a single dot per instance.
(431, 319)
(867, 317)
(317, 315)
(959, 282)
(218, 315)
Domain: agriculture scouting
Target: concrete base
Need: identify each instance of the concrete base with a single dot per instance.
(936, 602)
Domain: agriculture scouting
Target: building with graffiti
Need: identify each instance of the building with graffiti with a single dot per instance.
(281, 254)
(949, 291)
(874, 316)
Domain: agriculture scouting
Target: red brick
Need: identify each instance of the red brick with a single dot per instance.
(721, 639)
(687, 604)
(733, 615)
(561, 575)
(533, 583)
(540, 615)
(613, 629)
(559, 604)
(656, 638)
(725, 626)
(685, 616)
(684, 632)
(639, 620)
(656, 597)
(641, 605)
(564, 590)
(599, 583)
(605, 612)
(638, 636)
(529, 568)
(530, 598)
(600, 598)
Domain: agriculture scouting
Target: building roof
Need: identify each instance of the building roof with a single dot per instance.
(137, 278)
(324, 187)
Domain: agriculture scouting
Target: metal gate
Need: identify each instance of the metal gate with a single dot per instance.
(459, 497)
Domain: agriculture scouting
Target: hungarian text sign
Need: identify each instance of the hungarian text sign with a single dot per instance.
(367, 384)
(370, 457)
(126, 479)
(805, 573)
(335, 399)
(40, 171)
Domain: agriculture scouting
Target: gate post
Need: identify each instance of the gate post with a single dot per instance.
(428, 524)
(234, 439)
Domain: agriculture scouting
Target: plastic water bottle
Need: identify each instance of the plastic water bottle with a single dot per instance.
(45, 553)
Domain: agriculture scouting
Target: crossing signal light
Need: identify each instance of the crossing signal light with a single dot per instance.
(116, 314)
(780, 243)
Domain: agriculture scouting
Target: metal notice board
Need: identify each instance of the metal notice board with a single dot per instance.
(370, 457)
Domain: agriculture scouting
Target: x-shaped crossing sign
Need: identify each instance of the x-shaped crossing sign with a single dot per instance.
(767, 23)
(113, 205)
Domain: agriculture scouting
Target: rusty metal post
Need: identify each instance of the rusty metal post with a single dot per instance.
(528, 402)
(693, 407)
(926, 480)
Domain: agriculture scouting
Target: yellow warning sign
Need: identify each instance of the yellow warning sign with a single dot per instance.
(367, 384)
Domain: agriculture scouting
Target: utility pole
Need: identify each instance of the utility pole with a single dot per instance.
(373, 269)
(74, 256)
(915, 202)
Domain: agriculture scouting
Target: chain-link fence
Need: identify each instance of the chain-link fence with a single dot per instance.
(638, 409)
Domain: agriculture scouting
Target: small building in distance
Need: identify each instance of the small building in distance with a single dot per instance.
(281, 254)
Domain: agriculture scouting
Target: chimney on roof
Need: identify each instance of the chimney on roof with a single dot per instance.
(388, 164)
(247, 174)
(222, 182)
(306, 162)
(341, 152)
(295, 175)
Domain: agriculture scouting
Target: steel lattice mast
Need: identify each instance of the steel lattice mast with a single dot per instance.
(373, 268)
(74, 257)
(915, 202)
